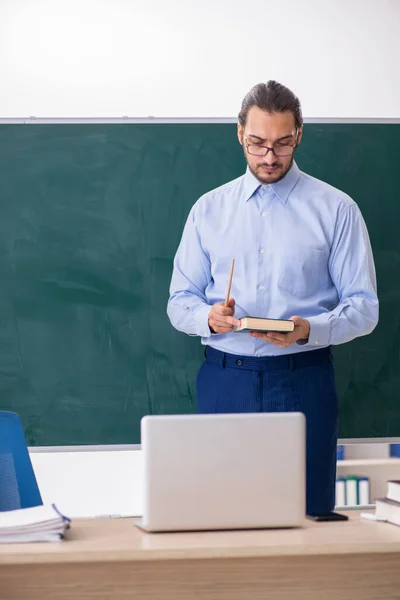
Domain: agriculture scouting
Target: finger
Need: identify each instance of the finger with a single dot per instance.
(283, 339)
(233, 321)
(259, 335)
(278, 343)
(221, 309)
(282, 342)
(220, 306)
(222, 320)
(297, 320)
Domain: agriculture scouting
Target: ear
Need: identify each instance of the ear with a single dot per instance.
(240, 134)
(299, 136)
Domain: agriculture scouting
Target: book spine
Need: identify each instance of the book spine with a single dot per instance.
(351, 491)
(340, 499)
(394, 449)
(363, 491)
(340, 452)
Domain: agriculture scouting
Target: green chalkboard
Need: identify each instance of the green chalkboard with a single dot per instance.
(90, 219)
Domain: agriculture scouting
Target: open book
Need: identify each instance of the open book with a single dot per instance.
(37, 524)
(265, 325)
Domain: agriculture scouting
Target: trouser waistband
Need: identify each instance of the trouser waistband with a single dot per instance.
(266, 363)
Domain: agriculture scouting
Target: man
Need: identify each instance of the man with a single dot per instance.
(301, 252)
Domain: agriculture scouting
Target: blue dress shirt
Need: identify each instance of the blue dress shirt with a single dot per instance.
(300, 246)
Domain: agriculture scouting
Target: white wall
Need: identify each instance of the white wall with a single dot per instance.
(90, 483)
(196, 58)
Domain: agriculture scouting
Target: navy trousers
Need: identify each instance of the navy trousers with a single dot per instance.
(303, 382)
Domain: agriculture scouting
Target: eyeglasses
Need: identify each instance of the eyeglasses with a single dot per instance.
(278, 151)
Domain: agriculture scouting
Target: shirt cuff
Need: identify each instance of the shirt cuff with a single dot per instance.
(201, 320)
(320, 330)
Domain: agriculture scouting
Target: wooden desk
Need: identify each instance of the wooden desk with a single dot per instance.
(113, 560)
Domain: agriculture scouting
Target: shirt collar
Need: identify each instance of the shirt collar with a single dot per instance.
(281, 188)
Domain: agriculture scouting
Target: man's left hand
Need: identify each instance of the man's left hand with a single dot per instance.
(283, 340)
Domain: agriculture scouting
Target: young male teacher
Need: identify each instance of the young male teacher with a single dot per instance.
(302, 252)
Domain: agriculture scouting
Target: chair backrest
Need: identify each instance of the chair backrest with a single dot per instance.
(18, 486)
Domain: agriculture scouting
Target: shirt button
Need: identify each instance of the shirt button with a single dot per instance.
(261, 287)
(264, 214)
(239, 362)
(316, 343)
(262, 250)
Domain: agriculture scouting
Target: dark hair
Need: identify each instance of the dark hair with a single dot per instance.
(271, 97)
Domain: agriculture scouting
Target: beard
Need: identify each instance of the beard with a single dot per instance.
(264, 177)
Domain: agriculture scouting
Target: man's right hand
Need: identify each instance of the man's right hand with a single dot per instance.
(221, 319)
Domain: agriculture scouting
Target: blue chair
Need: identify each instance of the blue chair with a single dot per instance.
(18, 486)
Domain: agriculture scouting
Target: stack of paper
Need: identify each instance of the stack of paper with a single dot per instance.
(37, 524)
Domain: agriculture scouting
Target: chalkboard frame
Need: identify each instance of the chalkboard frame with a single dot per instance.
(33, 120)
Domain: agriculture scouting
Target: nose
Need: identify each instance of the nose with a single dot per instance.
(270, 157)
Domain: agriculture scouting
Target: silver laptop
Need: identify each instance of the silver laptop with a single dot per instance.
(223, 471)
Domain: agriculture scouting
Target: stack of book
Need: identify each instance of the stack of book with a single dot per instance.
(37, 524)
(352, 491)
(389, 508)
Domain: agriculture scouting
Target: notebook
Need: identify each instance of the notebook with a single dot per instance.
(42, 523)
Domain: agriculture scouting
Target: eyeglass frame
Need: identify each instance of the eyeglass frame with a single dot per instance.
(272, 149)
